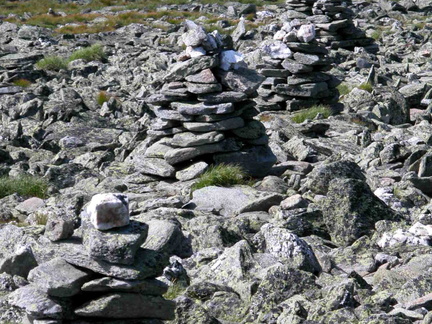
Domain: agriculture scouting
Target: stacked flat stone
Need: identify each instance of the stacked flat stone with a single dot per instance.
(332, 20)
(205, 113)
(105, 277)
(295, 64)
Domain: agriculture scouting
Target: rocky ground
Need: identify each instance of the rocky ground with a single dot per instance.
(334, 226)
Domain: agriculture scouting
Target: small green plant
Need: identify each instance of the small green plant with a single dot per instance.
(343, 89)
(41, 218)
(311, 113)
(175, 290)
(366, 86)
(222, 175)
(52, 63)
(23, 185)
(92, 53)
(102, 97)
(376, 34)
(24, 83)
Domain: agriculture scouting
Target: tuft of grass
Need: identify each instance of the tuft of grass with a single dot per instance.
(102, 97)
(366, 86)
(175, 290)
(23, 185)
(88, 54)
(221, 175)
(311, 113)
(376, 34)
(343, 89)
(24, 83)
(41, 218)
(52, 63)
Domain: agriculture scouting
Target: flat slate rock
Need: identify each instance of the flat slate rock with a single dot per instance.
(147, 264)
(37, 303)
(202, 108)
(58, 278)
(118, 245)
(108, 284)
(222, 97)
(233, 201)
(157, 167)
(127, 305)
(196, 139)
(179, 155)
(223, 125)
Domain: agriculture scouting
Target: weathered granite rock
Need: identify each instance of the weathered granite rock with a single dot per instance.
(128, 305)
(147, 264)
(59, 226)
(351, 210)
(108, 211)
(118, 245)
(108, 284)
(163, 236)
(256, 161)
(232, 201)
(37, 303)
(18, 263)
(320, 177)
(289, 248)
(58, 278)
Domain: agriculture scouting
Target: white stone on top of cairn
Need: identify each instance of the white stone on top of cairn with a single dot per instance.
(306, 33)
(108, 210)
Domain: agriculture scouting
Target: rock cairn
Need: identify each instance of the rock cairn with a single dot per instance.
(295, 64)
(101, 275)
(205, 113)
(332, 20)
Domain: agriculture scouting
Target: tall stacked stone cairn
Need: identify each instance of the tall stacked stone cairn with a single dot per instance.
(205, 113)
(332, 20)
(294, 64)
(100, 274)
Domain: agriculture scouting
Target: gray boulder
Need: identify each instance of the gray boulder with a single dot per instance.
(37, 303)
(319, 179)
(19, 263)
(145, 287)
(163, 236)
(233, 201)
(289, 248)
(256, 161)
(351, 210)
(118, 245)
(128, 305)
(58, 278)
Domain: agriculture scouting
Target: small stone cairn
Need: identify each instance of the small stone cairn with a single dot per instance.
(100, 275)
(205, 113)
(332, 20)
(295, 64)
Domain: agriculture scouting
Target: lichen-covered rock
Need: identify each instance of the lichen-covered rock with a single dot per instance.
(351, 210)
(319, 179)
(232, 201)
(118, 245)
(108, 284)
(18, 263)
(289, 248)
(37, 303)
(279, 283)
(128, 305)
(58, 278)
